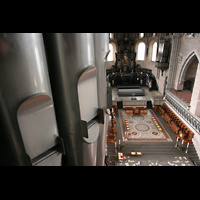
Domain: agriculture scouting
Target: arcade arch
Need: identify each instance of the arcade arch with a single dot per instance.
(188, 72)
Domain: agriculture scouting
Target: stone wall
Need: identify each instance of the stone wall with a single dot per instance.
(189, 46)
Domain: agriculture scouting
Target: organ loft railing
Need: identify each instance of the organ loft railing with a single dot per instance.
(191, 119)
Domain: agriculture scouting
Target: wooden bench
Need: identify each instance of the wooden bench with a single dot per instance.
(156, 107)
(129, 111)
(143, 111)
(161, 111)
(182, 131)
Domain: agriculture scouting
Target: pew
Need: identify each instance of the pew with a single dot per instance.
(112, 129)
(161, 111)
(182, 131)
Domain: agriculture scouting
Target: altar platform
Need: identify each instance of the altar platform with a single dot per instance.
(136, 100)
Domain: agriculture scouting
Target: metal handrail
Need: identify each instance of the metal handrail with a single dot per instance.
(191, 119)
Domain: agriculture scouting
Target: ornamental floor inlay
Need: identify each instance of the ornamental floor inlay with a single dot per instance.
(142, 128)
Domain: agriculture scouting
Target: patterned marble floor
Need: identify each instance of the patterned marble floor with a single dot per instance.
(143, 128)
(154, 153)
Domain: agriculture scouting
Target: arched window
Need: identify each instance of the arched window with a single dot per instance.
(154, 52)
(110, 55)
(111, 35)
(141, 51)
(141, 34)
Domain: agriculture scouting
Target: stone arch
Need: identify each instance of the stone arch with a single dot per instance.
(185, 66)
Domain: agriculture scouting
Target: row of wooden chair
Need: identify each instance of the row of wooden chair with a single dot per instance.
(112, 129)
(127, 125)
(175, 123)
(137, 111)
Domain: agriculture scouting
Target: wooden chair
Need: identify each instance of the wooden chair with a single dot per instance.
(137, 111)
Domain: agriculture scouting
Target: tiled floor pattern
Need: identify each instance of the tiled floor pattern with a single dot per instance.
(142, 128)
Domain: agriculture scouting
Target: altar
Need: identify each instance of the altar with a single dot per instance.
(131, 92)
(126, 72)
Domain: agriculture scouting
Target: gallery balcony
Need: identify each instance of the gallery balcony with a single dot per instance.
(182, 109)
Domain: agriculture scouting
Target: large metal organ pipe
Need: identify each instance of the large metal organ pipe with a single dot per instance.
(28, 123)
(101, 41)
(43, 119)
(73, 75)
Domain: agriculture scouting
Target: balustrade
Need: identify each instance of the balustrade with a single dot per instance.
(191, 119)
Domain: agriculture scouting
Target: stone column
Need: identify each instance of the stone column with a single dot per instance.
(195, 99)
(173, 59)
